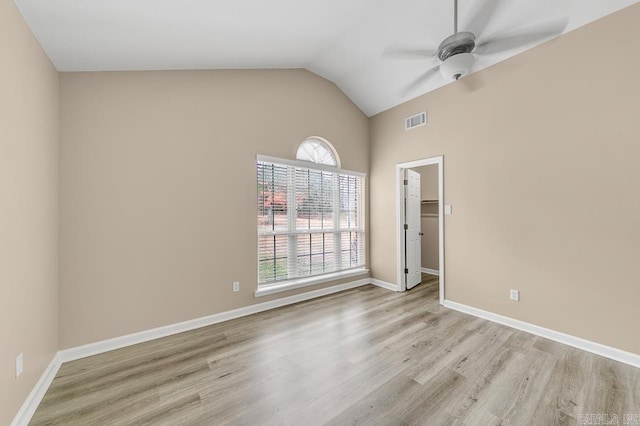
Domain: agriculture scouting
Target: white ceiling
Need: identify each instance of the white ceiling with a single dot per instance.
(341, 40)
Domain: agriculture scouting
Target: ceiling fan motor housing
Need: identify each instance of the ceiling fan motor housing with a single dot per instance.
(462, 42)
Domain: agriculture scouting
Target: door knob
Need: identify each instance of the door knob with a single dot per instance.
(420, 233)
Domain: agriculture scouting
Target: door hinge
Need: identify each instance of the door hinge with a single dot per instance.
(406, 270)
(406, 182)
(406, 226)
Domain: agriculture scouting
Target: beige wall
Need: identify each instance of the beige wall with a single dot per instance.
(158, 188)
(541, 167)
(429, 224)
(28, 208)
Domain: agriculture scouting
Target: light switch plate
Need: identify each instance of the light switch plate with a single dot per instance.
(448, 209)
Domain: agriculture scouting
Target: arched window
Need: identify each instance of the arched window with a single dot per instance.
(318, 151)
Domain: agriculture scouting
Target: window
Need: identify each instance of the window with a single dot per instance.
(317, 151)
(310, 218)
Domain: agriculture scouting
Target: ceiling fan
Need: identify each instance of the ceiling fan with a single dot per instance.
(457, 53)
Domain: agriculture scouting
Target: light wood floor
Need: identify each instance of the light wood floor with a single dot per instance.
(364, 356)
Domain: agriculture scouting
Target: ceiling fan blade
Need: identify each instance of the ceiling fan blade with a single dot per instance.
(425, 77)
(409, 53)
(508, 41)
(481, 18)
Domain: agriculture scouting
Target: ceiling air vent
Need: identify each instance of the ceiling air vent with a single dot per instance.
(414, 121)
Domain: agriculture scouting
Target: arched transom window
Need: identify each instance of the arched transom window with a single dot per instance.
(318, 151)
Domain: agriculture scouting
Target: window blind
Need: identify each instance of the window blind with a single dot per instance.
(310, 221)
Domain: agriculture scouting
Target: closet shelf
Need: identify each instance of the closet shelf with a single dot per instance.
(429, 201)
(429, 215)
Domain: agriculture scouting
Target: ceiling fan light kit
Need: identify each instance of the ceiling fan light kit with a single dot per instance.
(457, 66)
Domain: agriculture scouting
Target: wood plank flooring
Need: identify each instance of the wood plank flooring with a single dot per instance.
(364, 356)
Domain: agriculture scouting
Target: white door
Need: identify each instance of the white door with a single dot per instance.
(412, 230)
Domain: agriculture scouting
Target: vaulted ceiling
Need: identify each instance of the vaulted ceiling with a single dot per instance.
(354, 43)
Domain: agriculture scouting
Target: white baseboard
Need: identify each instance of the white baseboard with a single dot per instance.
(577, 342)
(168, 330)
(384, 284)
(430, 271)
(37, 393)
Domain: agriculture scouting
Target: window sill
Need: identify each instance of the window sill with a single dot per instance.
(304, 282)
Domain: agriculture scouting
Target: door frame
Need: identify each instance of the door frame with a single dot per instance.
(400, 215)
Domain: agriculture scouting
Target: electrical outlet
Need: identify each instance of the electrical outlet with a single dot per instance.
(19, 365)
(514, 295)
(236, 286)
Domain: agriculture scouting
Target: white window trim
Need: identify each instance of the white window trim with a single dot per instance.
(305, 282)
(307, 165)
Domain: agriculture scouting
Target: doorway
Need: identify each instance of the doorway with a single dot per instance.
(409, 208)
